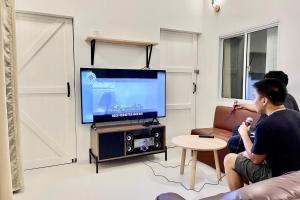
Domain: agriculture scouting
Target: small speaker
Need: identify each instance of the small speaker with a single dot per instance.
(129, 148)
(129, 137)
(145, 140)
(157, 134)
(157, 144)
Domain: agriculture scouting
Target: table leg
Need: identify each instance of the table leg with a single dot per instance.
(183, 154)
(193, 176)
(217, 164)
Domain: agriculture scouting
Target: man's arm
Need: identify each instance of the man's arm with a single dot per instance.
(296, 107)
(291, 103)
(246, 106)
(256, 159)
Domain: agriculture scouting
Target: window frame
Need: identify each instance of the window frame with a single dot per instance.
(244, 33)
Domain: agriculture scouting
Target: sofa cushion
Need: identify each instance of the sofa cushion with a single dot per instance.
(174, 196)
(285, 187)
(279, 188)
(216, 197)
(225, 118)
(169, 196)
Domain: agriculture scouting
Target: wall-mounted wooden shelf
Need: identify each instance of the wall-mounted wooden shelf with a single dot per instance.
(148, 44)
(120, 41)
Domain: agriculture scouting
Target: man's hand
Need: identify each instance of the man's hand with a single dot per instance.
(245, 154)
(247, 106)
(237, 105)
(256, 159)
(243, 130)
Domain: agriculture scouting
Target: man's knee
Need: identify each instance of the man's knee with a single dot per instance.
(229, 160)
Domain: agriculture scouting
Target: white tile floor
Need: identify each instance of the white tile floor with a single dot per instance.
(128, 179)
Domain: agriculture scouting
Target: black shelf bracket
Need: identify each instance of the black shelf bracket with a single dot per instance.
(148, 55)
(93, 44)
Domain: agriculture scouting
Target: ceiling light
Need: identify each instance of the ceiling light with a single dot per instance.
(216, 5)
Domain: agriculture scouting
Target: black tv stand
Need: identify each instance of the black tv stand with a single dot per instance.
(151, 123)
(118, 142)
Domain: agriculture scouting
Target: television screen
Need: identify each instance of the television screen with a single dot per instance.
(120, 94)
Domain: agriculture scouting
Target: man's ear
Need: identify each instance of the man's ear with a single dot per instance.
(265, 101)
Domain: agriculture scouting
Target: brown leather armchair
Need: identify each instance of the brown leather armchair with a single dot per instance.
(225, 119)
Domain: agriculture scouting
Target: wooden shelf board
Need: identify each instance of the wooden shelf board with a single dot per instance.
(120, 41)
(133, 155)
(122, 128)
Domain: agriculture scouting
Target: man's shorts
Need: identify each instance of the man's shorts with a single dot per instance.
(254, 173)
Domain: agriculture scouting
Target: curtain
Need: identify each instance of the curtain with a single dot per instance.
(5, 168)
(271, 54)
(226, 91)
(10, 128)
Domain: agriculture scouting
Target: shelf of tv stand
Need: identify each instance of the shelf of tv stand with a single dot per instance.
(121, 131)
(128, 127)
(133, 155)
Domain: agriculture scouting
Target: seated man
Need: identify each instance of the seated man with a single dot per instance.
(235, 143)
(276, 146)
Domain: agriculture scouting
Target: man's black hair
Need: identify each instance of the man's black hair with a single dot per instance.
(273, 89)
(280, 75)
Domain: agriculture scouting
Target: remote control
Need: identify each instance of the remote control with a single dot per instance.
(206, 136)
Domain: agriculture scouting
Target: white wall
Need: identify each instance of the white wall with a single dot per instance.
(130, 19)
(235, 16)
(142, 19)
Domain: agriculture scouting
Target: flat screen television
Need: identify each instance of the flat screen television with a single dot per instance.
(122, 94)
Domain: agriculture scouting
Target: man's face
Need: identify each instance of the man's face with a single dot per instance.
(260, 102)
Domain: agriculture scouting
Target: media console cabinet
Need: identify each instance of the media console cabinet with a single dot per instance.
(123, 141)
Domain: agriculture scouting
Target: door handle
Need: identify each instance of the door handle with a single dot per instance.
(68, 89)
(194, 88)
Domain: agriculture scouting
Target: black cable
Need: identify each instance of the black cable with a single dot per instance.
(180, 183)
(176, 182)
(169, 166)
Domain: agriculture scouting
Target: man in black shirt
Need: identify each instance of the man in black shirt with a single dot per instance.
(235, 143)
(276, 146)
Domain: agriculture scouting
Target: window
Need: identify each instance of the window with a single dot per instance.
(246, 59)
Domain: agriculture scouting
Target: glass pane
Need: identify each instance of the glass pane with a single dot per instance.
(232, 74)
(262, 56)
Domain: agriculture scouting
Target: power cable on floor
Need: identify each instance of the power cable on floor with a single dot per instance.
(169, 166)
(180, 183)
